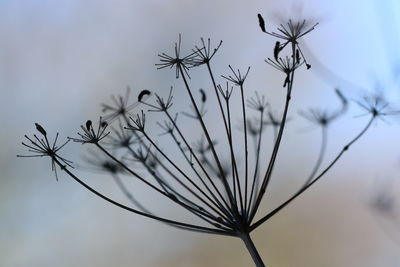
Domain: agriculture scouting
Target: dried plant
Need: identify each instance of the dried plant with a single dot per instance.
(215, 179)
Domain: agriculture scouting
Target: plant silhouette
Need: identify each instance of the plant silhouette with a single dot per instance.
(214, 178)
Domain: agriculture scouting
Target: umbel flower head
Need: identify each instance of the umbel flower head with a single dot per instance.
(89, 135)
(41, 147)
(180, 63)
(238, 78)
(138, 122)
(162, 104)
(324, 117)
(102, 163)
(289, 33)
(377, 106)
(258, 103)
(285, 65)
(204, 53)
(119, 138)
(120, 106)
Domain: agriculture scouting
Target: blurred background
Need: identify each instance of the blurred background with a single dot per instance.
(60, 59)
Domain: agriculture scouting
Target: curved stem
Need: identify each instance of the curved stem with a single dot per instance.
(128, 194)
(188, 179)
(256, 170)
(169, 196)
(235, 176)
(320, 157)
(161, 219)
(222, 207)
(271, 163)
(169, 190)
(188, 160)
(137, 203)
(284, 204)
(246, 151)
(216, 158)
(227, 130)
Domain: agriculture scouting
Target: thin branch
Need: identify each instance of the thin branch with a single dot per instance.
(191, 209)
(320, 156)
(227, 211)
(161, 219)
(223, 178)
(284, 204)
(271, 163)
(256, 170)
(187, 178)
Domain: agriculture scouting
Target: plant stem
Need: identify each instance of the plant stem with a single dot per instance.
(252, 250)
(192, 227)
(275, 150)
(320, 157)
(206, 133)
(304, 188)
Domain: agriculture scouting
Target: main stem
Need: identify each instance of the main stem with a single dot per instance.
(252, 250)
(274, 154)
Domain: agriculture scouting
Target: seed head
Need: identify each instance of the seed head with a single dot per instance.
(284, 65)
(180, 63)
(120, 106)
(227, 93)
(290, 32)
(324, 117)
(204, 53)
(121, 138)
(138, 122)
(237, 78)
(377, 106)
(258, 103)
(41, 147)
(89, 135)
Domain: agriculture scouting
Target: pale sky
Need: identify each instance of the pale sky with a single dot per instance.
(60, 59)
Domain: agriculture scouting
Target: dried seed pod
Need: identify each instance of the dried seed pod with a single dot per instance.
(341, 96)
(40, 129)
(203, 95)
(88, 124)
(142, 94)
(277, 49)
(261, 22)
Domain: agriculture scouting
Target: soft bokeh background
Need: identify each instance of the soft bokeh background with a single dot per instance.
(60, 59)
